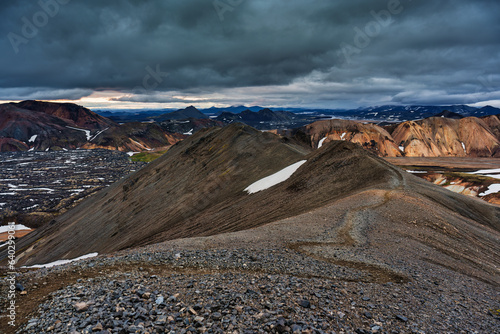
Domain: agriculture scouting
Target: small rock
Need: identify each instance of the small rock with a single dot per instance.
(216, 315)
(97, 327)
(161, 320)
(401, 318)
(81, 307)
(305, 303)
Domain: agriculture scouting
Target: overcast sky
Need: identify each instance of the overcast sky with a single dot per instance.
(289, 53)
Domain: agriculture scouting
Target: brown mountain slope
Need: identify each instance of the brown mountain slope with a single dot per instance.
(12, 145)
(68, 126)
(493, 123)
(22, 125)
(370, 136)
(439, 136)
(211, 167)
(197, 189)
(80, 116)
(134, 137)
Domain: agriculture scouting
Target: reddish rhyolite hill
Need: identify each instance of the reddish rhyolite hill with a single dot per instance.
(439, 136)
(370, 136)
(80, 116)
(39, 125)
(430, 137)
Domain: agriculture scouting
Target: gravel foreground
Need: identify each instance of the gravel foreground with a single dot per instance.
(252, 291)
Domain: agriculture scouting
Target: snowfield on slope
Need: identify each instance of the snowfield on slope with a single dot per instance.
(275, 178)
(18, 227)
(492, 189)
(321, 142)
(87, 132)
(61, 262)
(493, 173)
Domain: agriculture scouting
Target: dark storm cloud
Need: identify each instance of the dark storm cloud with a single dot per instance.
(337, 47)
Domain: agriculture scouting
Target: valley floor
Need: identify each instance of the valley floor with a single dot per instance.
(457, 163)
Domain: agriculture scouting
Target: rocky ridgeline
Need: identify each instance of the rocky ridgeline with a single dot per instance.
(52, 181)
(216, 292)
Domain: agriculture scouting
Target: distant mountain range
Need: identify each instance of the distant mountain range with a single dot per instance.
(447, 131)
(266, 119)
(387, 113)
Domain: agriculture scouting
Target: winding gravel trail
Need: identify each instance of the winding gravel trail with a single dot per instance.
(350, 234)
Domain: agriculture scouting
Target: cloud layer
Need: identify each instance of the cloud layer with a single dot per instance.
(314, 53)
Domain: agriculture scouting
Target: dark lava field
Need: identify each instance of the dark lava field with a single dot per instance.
(45, 184)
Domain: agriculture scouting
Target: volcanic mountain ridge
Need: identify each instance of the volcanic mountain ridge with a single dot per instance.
(342, 197)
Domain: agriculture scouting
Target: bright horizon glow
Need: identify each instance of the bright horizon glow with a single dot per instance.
(95, 102)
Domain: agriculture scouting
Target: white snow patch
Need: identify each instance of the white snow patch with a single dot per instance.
(343, 136)
(87, 132)
(132, 153)
(492, 189)
(402, 148)
(487, 171)
(416, 171)
(97, 134)
(61, 262)
(189, 133)
(8, 194)
(321, 142)
(274, 179)
(136, 142)
(3, 204)
(32, 139)
(493, 176)
(18, 227)
(31, 149)
(463, 145)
